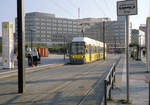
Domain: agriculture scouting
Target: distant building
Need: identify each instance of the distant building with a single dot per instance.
(114, 32)
(137, 38)
(46, 28)
(93, 20)
(142, 27)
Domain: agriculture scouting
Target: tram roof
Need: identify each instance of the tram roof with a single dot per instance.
(87, 40)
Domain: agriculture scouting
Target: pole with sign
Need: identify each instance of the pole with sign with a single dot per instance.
(148, 44)
(126, 8)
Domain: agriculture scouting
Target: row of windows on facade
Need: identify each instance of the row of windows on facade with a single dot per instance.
(54, 20)
(51, 32)
(46, 36)
(112, 26)
(46, 26)
(72, 27)
(38, 39)
(50, 36)
(51, 24)
(54, 28)
(116, 36)
(45, 40)
(60, 30)
(62, 38)
(114, 41)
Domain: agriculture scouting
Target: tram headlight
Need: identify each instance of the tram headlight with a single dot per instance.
(82, 56)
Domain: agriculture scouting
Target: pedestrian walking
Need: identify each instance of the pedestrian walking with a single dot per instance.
(30, 58)
(35, 57)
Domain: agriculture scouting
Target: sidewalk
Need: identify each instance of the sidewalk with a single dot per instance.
(46, 62)
(138, 83)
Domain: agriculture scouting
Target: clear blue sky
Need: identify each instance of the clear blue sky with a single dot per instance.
(69, 9)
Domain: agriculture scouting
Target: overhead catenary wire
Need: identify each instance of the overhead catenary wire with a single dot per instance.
(73, 6)
(66, 11)
(76, 7)
(99, 7)
(71, 3)
(108, 6)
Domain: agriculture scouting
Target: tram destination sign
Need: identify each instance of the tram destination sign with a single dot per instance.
(128, 7)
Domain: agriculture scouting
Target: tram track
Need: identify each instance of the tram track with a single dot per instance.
(73, 73)
(75, 77)
(66, 84)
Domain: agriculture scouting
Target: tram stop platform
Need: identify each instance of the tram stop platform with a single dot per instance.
(51, 61)
(138, 84)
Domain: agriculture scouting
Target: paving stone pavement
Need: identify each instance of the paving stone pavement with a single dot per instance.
(52, 59)
(138, 83)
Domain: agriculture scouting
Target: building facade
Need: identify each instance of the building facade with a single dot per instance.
(114, 32)
(142, 27)
(46, 28)
(137, 37)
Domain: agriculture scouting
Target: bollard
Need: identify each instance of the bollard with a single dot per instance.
(149, 92)
(113, 78)
(105, 92)
(110, 94)
(114, 71)
(110, 87)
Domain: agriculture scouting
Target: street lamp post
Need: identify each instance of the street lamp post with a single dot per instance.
(31, 42)
(140, 44)
(115, 45)
(31, 39)
(64, 48)
(83, 27)
(82, 32)
(103, 40)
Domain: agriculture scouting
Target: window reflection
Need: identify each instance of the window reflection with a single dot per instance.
(78, 48)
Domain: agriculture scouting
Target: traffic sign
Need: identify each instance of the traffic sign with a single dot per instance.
(128, 7)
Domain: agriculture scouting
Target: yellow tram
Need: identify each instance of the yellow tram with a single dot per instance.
(86, 50)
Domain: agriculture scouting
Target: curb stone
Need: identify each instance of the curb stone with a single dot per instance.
(28, 70)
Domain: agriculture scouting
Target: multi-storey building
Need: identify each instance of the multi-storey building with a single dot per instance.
(137, 38)
(142, 27)
(114, 32)
(46, 28)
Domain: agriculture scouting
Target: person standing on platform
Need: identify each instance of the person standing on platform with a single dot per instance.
(30, 58)
(35, 57)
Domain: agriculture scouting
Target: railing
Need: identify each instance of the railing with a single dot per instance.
(149, 93)
(109, 82)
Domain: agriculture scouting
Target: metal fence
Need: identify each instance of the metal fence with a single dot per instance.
(109, 82)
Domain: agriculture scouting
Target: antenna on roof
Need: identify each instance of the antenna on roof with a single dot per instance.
(78, 13)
